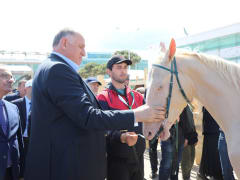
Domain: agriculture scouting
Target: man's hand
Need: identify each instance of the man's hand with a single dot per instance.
(165, 135)
(146, 113)
(130, 138)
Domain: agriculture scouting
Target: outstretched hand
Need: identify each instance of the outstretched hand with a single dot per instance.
(147, 114)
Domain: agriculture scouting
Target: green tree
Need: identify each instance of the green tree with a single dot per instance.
(92, 69)
(135, 58)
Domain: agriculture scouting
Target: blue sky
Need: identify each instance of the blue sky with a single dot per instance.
(109, 25)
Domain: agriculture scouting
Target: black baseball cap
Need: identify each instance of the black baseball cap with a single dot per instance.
(117, 59)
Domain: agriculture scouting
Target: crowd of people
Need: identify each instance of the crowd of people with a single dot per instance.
(58, 126)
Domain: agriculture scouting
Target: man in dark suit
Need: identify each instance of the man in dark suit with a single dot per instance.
(18, 94)
(11, 145)
(68, 127)
(24, 107)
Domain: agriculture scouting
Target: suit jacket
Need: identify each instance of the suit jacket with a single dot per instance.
(21, 104)
(12, 140)
(68, 127)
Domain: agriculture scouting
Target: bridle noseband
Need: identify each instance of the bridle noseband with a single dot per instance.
(173, 72)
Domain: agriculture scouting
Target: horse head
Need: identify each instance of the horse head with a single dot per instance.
(159, 93)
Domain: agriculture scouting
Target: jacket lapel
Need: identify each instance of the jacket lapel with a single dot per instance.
(89, 93)
(7, 118)
(1, 132)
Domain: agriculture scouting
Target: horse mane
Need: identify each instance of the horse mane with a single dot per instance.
(227, 69)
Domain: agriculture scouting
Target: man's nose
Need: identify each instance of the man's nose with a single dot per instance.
(83, 52)
(11, 80)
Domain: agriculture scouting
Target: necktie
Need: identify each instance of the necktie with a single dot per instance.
(3, 122)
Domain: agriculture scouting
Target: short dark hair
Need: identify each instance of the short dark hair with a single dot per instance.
(61, 34)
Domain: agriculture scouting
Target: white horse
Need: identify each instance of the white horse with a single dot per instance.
(213, 81)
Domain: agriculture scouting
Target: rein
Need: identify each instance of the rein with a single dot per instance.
(173, 72)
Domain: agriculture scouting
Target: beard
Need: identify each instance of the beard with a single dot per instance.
(119, 80)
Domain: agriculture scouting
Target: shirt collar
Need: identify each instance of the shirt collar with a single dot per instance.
(67, 60)
(110, 86)
(27, 100)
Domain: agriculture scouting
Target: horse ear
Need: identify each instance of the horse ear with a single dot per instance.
(172, 49)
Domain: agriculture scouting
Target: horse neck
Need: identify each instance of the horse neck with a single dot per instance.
(212, 90)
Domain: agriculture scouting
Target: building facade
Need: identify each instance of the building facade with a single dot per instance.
(102, 58)
(23, 63)
(223, 42)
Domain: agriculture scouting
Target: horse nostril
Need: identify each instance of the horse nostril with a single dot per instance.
(149, 133)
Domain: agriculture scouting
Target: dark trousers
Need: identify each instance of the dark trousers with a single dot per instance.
(122, 169)
(227, 170)
(153, 155)
(26, 142)
(188, 157)
(169, 165)
(8, 175)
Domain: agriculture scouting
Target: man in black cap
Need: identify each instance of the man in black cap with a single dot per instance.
(124, 148)
(94, 84)
(117, 59)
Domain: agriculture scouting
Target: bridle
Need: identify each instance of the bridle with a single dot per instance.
(173, 72)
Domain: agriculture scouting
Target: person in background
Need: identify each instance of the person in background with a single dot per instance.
(94, 84)
(172, 148)
(191, 139)
(141, 90)
(153, 158)
(17, 94)
(124, 147)
(11, 143)
(215, 162)
(24, 106)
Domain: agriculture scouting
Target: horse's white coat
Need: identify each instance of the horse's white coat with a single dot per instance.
(211, 80)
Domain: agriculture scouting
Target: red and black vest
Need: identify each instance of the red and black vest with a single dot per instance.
(110, 99)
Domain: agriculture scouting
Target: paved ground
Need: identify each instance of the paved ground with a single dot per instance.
(148, 168)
